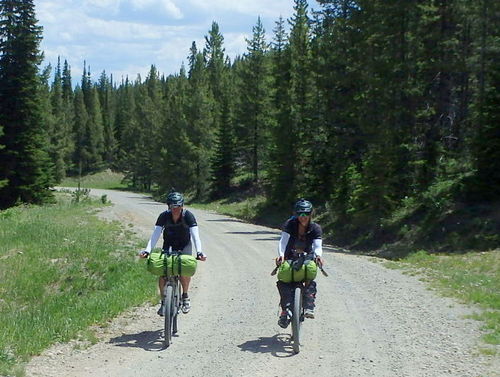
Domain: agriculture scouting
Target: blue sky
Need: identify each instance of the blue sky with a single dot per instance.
(124, 37)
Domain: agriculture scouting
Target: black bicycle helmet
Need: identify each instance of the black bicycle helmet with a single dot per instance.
(303, 206)
(175, 199)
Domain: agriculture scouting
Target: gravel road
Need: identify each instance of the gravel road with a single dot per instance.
(370, 321)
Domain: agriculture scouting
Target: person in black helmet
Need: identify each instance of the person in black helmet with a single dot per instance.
(300, 236)
(180, 231)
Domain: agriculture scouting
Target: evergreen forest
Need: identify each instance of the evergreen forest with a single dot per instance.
(384, 113)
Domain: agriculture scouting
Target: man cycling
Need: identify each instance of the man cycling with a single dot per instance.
(180, 231)
(300, 235)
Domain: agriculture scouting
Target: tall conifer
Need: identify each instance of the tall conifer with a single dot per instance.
(25, 157)
(281, 171)
(255, 111)
(219, 83)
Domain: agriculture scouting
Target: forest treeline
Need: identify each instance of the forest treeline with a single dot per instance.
(384, 113)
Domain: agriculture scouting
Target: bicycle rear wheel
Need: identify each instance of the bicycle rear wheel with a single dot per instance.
(297, 311)
(169, 314)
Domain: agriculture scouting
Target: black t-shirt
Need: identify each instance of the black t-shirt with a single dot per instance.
(176, 235)
(291, 227)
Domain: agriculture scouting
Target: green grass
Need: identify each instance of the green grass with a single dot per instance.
(244, 209)
(473, 278)
(61, 271)
(102, 180)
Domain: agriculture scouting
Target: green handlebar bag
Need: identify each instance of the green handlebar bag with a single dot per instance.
(295, 271)
(178, 265)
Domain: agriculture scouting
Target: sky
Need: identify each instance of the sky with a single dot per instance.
(125, 37)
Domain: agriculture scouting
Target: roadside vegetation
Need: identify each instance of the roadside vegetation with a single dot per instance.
(62, 270)
(106, 179)
(472, 278)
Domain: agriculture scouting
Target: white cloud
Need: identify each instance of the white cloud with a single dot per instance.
(106, 8)
(168, 6)
(111, 6)
(127, 36)
(273, 8)
(235, 44)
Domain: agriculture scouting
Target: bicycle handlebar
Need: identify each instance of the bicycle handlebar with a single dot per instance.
(273, 272)
(145, 254)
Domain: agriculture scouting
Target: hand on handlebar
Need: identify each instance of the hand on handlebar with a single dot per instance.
(201, 256)
(279, 260)
(319, 261)
(143, 254)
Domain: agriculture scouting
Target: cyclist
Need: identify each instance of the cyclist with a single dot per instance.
(180, 231)
(299, 235)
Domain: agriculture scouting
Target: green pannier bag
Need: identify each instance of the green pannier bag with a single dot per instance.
(295, 271)
(179, 265)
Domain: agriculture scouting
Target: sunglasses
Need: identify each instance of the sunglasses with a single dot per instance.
(174, 206)
(302, 214)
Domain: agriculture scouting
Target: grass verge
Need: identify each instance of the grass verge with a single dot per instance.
(241, 209)
(103, 180)
(473, 278)
(62, 270)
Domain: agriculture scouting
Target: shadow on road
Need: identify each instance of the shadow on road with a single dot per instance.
(226, 220)
(267, 239)
(147, 340)
(274, 238)
(254, 232)
(277, 345)
(147, 200)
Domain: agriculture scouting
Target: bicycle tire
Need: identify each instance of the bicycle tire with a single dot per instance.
(177, 306)
(297, 311)
(168, 315)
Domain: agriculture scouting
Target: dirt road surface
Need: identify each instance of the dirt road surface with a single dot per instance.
(370, 321)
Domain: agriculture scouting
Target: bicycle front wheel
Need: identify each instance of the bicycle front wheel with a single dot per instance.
(169, 314)
(177, 306)
(297, 311)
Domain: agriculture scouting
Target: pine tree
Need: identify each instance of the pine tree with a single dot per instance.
(25, 157)
(281, 170)
(255, 116)
(68, 115)
(106, 99)
(57, 135)
(176, 156)
(219, 84)
(149, 105)
(61, 135)
(49, 121)
(82, 154)
(128, 131)
(95, 126)
(486, 139)
(338, 75)
(200, 122)
(301, 98)
(437, 56)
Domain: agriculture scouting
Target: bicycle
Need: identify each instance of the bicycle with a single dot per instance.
(171, 303)
(295, 311)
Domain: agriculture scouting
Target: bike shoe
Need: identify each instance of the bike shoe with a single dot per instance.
(309, 313)
(186, 305)
(283, 321)
(160, 310)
